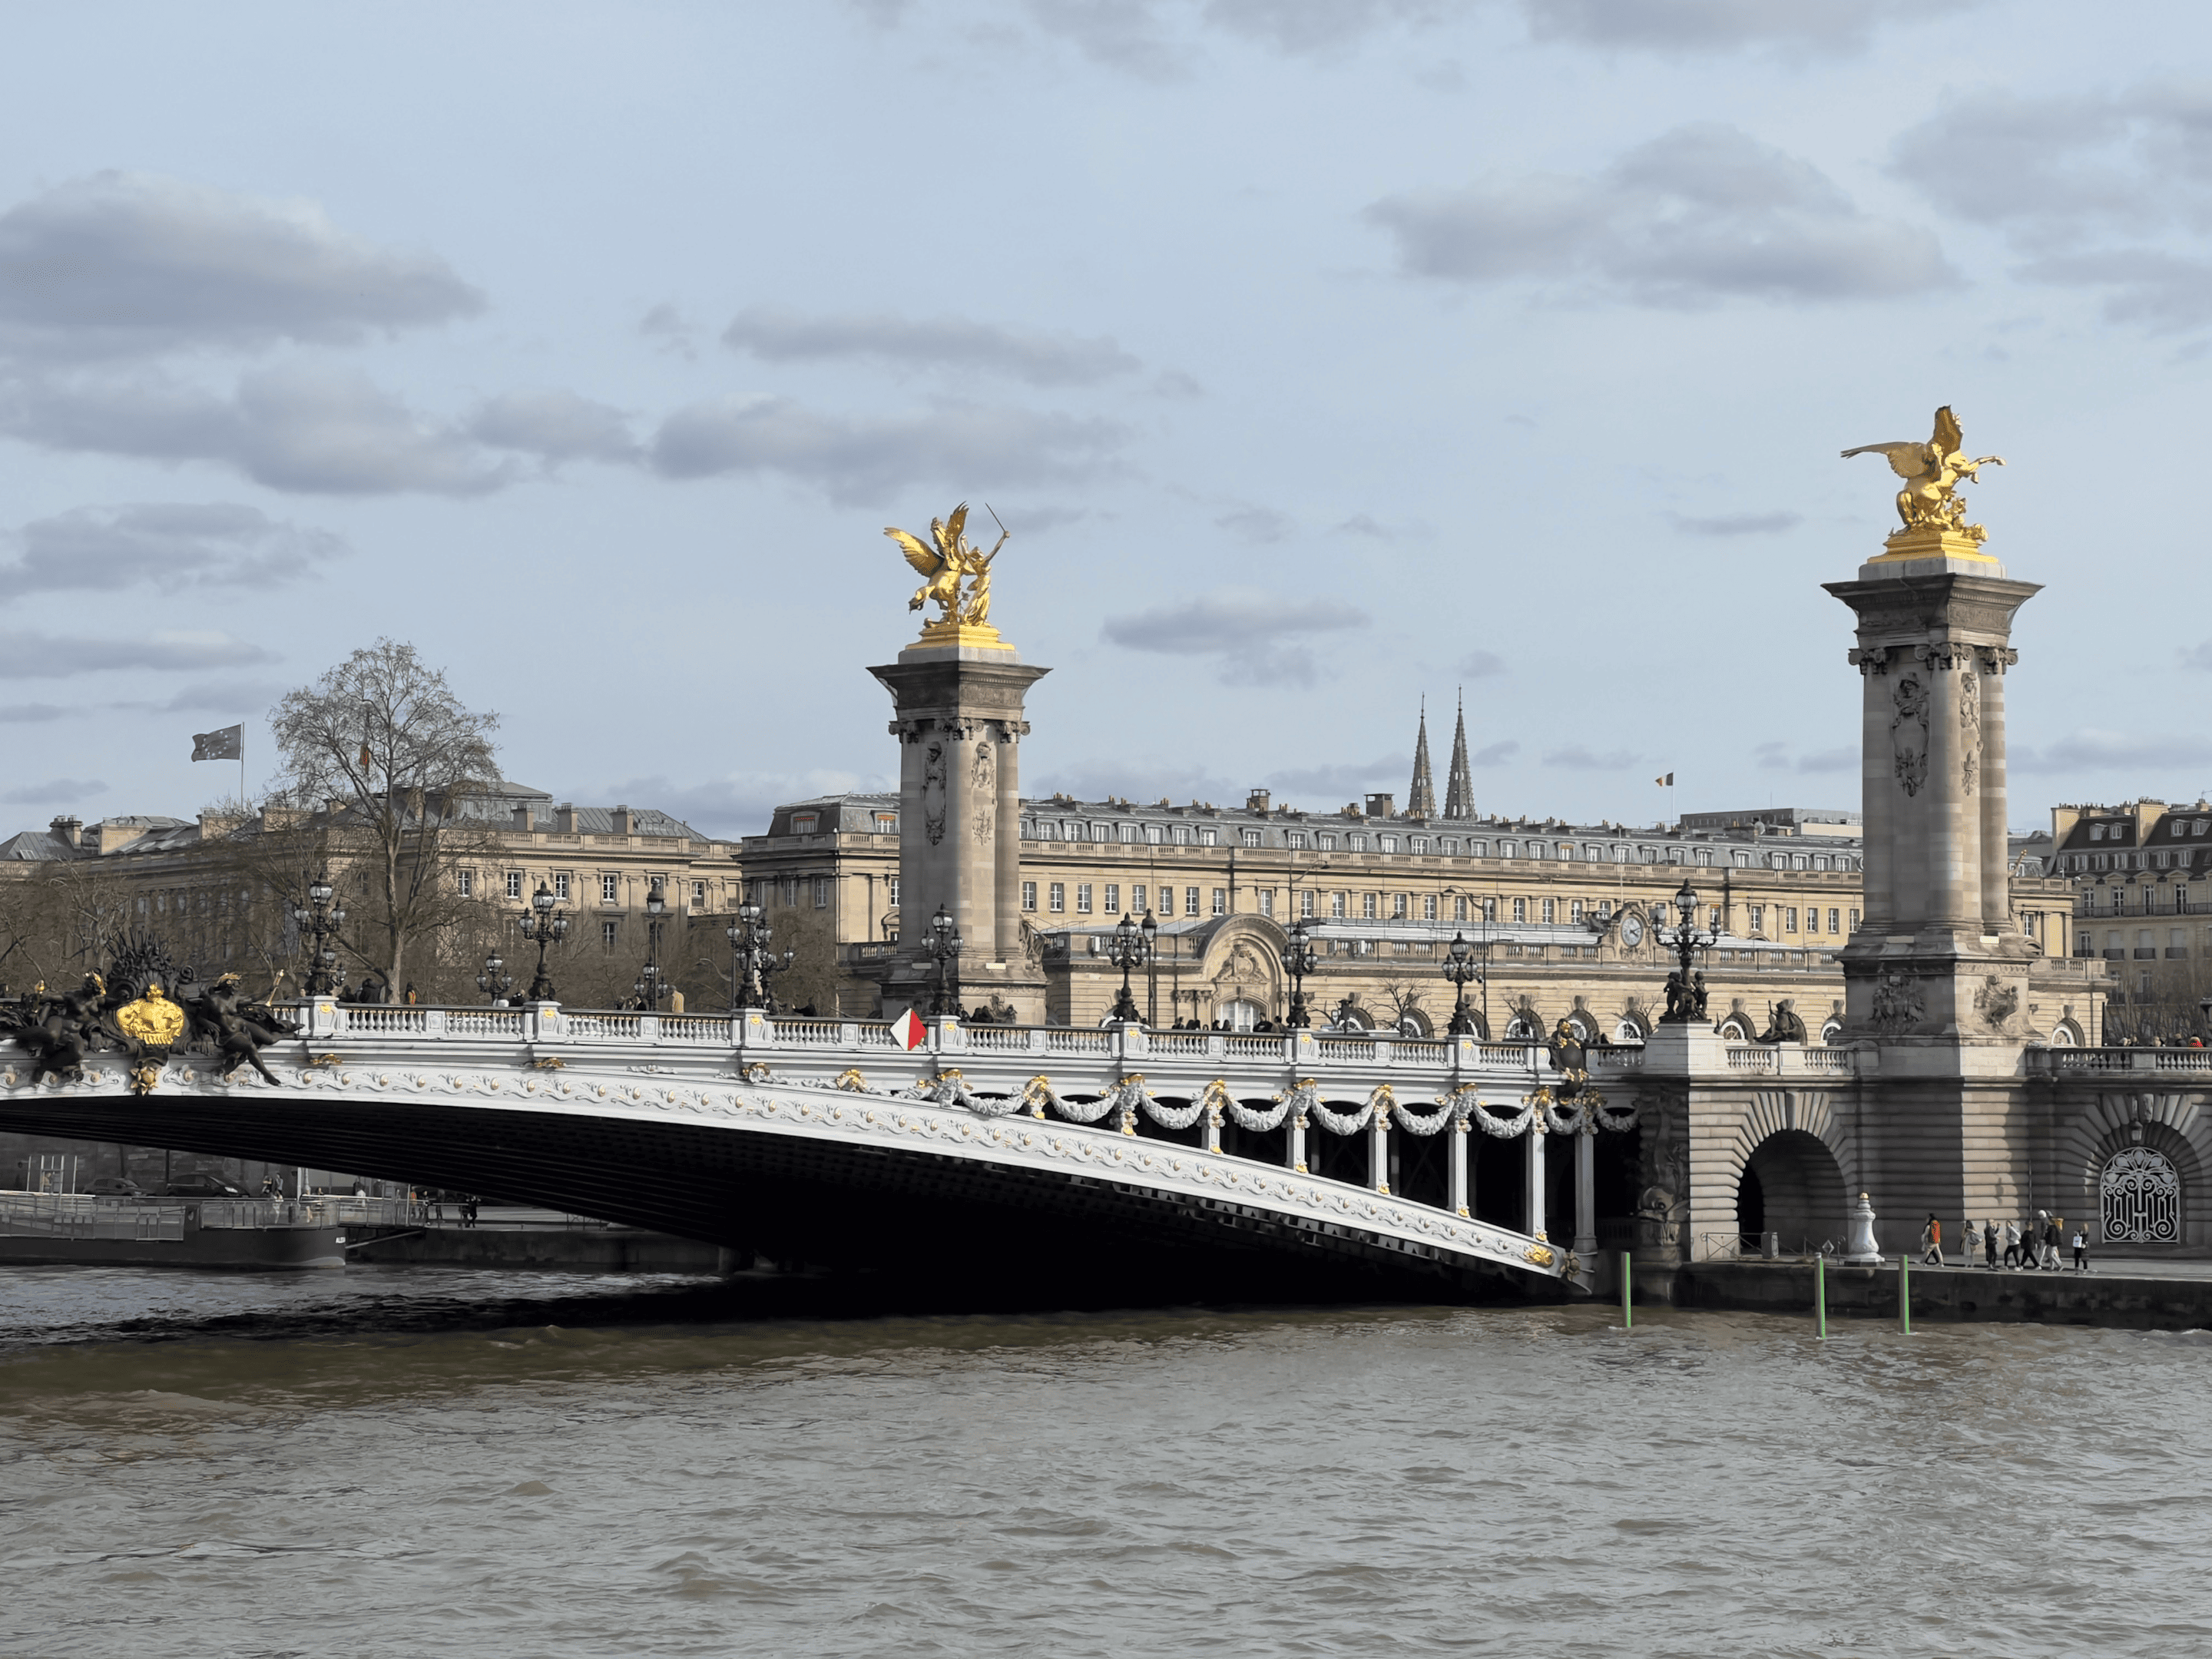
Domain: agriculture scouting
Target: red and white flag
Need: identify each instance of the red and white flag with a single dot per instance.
(910, 1030)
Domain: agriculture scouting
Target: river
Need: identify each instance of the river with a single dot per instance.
(415, 1461)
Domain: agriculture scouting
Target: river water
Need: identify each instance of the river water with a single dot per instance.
(416, 1461)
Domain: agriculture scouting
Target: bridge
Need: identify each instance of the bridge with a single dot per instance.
(1231, 1164)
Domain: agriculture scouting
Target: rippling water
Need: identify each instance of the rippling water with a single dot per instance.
(416, 1462)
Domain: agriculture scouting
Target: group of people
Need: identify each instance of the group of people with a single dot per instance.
(2028, 1247)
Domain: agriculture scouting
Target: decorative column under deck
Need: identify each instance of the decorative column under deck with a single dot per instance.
(1378, 1150)
(1458, 1194)
(1586, 1192)
(1532, 1208)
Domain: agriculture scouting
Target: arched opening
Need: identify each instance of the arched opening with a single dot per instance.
(1240, 1015)
(1734, 1029)
(2063, 1036)
(1521, 1028)
(1832, 1031)
(1630, 1030)
(1791, 1185)
(2139, 1194)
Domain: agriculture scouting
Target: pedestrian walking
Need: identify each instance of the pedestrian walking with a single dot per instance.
(1989, 1245)
(2051, 1237)
(1932, 1243)
(2080, 1248)
(2012, 1244)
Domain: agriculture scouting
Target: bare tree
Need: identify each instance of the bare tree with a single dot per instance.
(381, 748)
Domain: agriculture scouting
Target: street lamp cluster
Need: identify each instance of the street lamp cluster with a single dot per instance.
(492, 982)
(752, 958)
(320, 920)
(944, 947)
(540, 923)
(1463, 969)
(1686, 988)
(1131, 945)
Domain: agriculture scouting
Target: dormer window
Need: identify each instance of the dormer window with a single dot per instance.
(805, 824)
(2096, 832)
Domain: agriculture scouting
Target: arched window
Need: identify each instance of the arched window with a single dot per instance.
(1519, 1029)
(1831, 1031)
(1242, 1016)
(1735, 1029)
(1628, 1030)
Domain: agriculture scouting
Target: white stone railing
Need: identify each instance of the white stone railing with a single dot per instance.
(2120, 1059)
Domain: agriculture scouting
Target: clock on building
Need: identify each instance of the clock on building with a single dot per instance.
(1632, 929)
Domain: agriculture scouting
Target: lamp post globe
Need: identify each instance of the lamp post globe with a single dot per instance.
(1685, 988)
(946, 945)
(540, 923)
(1130, 946)
(318, 920)
(752, 961)
(1299, 958)
(1461, 968)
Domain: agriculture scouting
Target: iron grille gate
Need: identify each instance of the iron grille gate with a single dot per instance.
(2141, 1199)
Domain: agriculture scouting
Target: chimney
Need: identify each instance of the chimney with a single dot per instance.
(1381, 806)
(70, 831)
(518, 820)
(564, 819)
(1257, 802)
(621, 816)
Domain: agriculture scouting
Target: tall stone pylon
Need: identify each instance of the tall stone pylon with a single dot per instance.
(1421, 797)
(1459, 783)
(958, 695)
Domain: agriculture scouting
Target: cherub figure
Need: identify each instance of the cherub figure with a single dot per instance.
(1931, 472)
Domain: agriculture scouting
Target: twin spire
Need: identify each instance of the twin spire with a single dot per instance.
(1459, 785)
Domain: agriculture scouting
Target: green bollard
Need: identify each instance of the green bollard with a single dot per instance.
(1820, 1298)
(1905, 1294)
(1627, 1291)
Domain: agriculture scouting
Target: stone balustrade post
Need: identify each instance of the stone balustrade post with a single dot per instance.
(433, 1022)
(1294, 1155)
(544, 1023)
(648, 1028)
(1378, 1149)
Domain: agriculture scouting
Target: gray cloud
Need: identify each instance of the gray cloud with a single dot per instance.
(134, 262)
(298, 427)
(779, 336)
(172, 545)
(1122, 34)
(45, 656)
(1737, 524)
(2198, 657)
(672, 329)
(59, 791)
(737, 805)
(223, 697)
(1141, 778)
(33, 714)
(1775, 757)
(1721, 26)
(1367, 525)
(1496, 754)
(869, 459)
(556, 426)
(1259, 526)
(1344, 780)
(2091, 190)
(1577, 758)
(1325, 25)
(2094, 750)
(1702, 214)
(1255, 639)
(1480, 664)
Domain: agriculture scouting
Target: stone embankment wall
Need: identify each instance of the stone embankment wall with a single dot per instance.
(595, 1250)
(2107, 1296)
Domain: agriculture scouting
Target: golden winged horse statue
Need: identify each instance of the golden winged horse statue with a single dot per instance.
(945, 561)
(1931, 472)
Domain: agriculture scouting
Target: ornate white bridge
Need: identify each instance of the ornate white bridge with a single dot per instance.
(1029, 1151)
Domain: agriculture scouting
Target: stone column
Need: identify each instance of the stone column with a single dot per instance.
(1877, 784)
(1951, 813)
(1457, 1196)
(1532, 1180)
(1586, 1192)
(1378, 1150)
(1007, 928)
(1991, 662)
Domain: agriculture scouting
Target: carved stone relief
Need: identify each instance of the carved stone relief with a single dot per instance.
(1911, 746)
(932, 791)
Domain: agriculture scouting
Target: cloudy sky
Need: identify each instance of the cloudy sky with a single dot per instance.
(1321, 355)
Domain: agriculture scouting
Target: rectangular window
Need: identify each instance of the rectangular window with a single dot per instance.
(1327, 842)
(1207, 838)
(1813, 918)
(1490, 909)
(1574, 910)
(1835, 918)
(1221, 901)
(1550, 910)
(1788, 918)
(1339, 905)
(1058, 896)
(1266, 900)
(1112, 897)
(805, 824)
(561, 886)
(1029, 896)
(822, 892)
(1855, 921)
(1758, 912)
(1137, 898)
(1459, 908)
(1190, 900)
(1250, 837)
(1082, 898)
(609, 931)
(1420, 844)
(1398, 911)
(610, 888)
(887, 823)
(1182, 835)
(1129, 833)
(1520, 909)
(1367, 906)
(1296, 839)
(464, 883)
(1428, 907)
(1388, 843)
(1306, 902)
(893, 883)
(514, 883)
(699, 895)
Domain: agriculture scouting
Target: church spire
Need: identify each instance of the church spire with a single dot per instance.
(1421, 799)
(1459, 786)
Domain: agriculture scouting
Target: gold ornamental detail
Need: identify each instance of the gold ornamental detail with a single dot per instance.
(956, 577)
(1933, 512)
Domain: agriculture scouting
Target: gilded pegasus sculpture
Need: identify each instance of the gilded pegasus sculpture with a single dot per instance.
(1931, 472)
(947, 559)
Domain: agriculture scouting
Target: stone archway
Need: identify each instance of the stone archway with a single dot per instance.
(1792, 1185)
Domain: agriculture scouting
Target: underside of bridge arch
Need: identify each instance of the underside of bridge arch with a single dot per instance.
(1791, 1185)
(928, 1229)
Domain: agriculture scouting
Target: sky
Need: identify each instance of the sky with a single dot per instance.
(1321, 356)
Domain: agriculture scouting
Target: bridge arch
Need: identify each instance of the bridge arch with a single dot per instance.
(2174, 1124)
(1792, 1166)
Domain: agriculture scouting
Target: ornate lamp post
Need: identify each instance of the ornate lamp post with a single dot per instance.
(538, 922)
(1298, 960)
(1131, 947)
(946, 945)
(652, 985)
(319, 919)
(1461, 968)
(493, 983)
(1685, 989)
